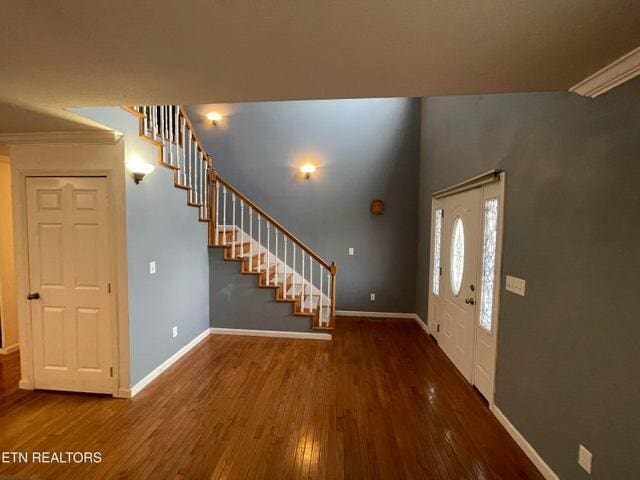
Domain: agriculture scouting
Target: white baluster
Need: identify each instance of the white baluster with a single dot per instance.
(194, 172)
(204, 181)
(200, 198)
(304, 285)
(242, 228)
(329, 296)
(250, 238)
(284, 239)
(293, 281)
(224, 214)
(277, 260)
(170, 127)
(176, 132)
(259, 241)
(154, 124)
(216, 239)
(162, 139)
(233, 222)
(320, 300)
(268, 250)
(167, 116)
(183, 171)
(203, 184)
(310, 281)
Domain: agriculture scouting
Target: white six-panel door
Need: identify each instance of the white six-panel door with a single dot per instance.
(71, 323)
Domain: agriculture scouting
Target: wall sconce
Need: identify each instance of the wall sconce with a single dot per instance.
(308, 169)
(214, 118)
(139, 169)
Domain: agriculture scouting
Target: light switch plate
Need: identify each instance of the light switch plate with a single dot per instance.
(174, 332)
(584, 459)
(152, 267)
(373, 297)
(515, 285)
(350, 250)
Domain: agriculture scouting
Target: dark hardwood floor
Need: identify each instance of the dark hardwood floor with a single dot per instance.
(379, 401)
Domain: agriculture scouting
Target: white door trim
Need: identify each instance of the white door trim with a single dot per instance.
(476, 182)
(74, 160)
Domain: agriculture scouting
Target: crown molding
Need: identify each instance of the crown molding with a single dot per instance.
(614, 74)
(88, 136)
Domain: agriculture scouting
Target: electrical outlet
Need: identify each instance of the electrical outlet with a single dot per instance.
(350, 250)
(584, 459)
(373, 297)
(515, 285)
(174, 332)
(152, 267)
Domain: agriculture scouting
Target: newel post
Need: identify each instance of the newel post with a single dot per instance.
(213, 203)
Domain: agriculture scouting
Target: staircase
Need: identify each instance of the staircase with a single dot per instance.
(247, 234)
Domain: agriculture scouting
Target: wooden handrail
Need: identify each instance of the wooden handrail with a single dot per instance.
(329, 266)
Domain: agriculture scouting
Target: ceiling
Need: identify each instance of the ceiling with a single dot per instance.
(74, 53)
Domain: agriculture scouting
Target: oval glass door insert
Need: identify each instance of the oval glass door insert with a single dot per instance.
(457, 255)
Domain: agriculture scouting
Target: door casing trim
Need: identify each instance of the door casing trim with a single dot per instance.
(475, 182)
(89, 160)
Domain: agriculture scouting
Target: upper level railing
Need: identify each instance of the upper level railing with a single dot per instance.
(225, 207)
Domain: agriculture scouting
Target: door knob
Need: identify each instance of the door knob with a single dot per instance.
(33, 296)
(470, 301)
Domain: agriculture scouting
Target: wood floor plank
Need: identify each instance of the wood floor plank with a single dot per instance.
(379, 401)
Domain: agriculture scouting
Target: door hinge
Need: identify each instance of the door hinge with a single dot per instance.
(438, 328)
(111, 372)
(109, 286)
(440, 271)
(442, 215)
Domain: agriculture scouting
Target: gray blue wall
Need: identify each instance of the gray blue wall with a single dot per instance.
(237, 302)
(365, 149)
(569, 351)
(160, 227)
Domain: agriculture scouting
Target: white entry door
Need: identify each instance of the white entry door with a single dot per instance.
(459, 277)
(71, 324)
(464, 294)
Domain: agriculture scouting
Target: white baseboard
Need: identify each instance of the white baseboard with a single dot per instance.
(10, 349)
(526, 447)
(355, 313)
(390, 315)
(270, 333)
(25, 384)
(123, 393)
(167, 363)
(423, 325)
